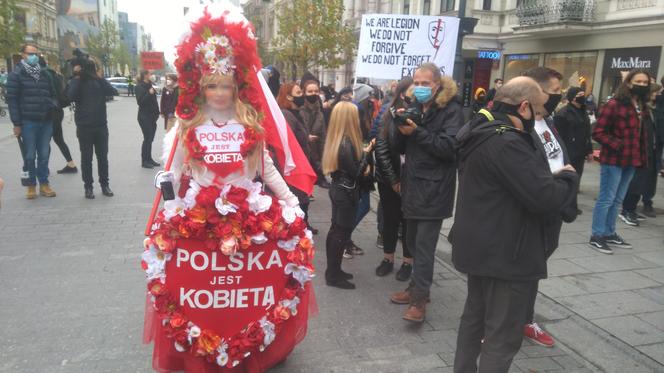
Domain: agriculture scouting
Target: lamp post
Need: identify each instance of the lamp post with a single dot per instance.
(458, 57)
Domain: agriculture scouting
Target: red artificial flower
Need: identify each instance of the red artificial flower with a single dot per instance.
(177, 320)
(207, 196)
(186, 110)
(197, 214)
(165, 304)
(238, 197)
(206, 343)
(223, 229)
(156, 287)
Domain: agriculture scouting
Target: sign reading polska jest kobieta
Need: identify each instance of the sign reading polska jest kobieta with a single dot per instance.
(393, 46)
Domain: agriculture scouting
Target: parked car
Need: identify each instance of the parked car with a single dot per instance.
(120, 84)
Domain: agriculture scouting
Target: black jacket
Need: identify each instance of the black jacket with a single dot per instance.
(573, 126)
(147, 102)
(294, 120)
(349, 168)
(29, 99)
(169, 100)
(89, 95)
(388, 159)
(428, 179)
(506, 196)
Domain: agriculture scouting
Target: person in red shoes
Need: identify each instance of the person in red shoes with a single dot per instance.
(228, 265)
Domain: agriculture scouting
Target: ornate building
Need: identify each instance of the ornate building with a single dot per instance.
(39, 19)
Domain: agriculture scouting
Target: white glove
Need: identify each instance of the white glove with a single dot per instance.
(163, 176)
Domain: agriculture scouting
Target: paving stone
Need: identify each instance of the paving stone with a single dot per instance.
(595, 283)
(538, 364)
(595, 306)
(631, 330)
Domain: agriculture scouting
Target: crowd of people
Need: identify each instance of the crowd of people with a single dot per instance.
(517, 162)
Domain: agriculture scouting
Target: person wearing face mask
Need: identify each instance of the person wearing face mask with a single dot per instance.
(619, 132)
(644, 182)
(290, 99)
(553, 150)
(148, 113)
(169, 100)
(31, 100)
(312, 117)
(428, 180)
(507, 194)
(573, 125)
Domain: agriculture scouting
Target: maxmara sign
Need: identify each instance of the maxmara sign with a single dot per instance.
(617, 60)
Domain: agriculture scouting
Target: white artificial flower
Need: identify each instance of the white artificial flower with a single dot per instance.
(222, 358)
(155, 260)
(223, 206)
(291, 304)
(268, 330)
(173, 207)
(259, 239)
(180, 348)
(300, 273)
(288, 213)
(289, 245)
(259, 203)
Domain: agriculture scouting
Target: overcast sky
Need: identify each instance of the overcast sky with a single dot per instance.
(161, 18)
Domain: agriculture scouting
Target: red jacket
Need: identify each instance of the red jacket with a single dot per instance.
(620, 134)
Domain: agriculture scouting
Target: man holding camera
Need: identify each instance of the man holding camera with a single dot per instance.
(31, 100)
(428, 179)
(88, 90)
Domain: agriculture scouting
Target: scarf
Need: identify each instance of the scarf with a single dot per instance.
(33, 71)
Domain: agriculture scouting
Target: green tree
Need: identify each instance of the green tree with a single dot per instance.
(312, 33)
(104, 43)
(12, 32)
(120, 55)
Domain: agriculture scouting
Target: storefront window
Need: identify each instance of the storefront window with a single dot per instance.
(620, 61)
(516, 64)
(577, 68)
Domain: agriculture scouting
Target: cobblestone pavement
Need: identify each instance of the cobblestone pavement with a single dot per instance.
(73, 293)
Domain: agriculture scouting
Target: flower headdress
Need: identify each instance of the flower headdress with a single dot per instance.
(221, 41)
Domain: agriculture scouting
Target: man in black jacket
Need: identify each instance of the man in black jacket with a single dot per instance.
(89, 91)
(31, 99)
(506, 196)
(573, 125)
(428, 180)
(148, 113)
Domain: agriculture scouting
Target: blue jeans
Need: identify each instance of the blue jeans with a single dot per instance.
(37, 142)
(363, 207)
(613, 185)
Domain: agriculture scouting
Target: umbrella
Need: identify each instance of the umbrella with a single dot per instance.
(126, 70)
(119, 70)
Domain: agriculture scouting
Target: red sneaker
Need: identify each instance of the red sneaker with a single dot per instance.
(537, 335)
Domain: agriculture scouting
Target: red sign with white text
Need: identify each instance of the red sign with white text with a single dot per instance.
(225, 293)
(152, 60)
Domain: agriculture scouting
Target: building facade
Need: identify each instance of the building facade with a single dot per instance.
(39, 20)
(589, 41)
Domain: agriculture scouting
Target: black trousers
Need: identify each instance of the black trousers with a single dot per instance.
(93, 140)
(149, 128)
(495, 311)
(344, 210)
(578, 165)
(58, 137)
(390, 202)
(530, 316)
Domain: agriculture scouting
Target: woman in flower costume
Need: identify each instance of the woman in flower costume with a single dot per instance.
(251, 249)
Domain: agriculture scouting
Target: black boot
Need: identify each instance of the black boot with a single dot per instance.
(154, 163)
(106, 190)
(147, 164)
(384, 268)
(89, 194)
(338, 281)
(68, 170)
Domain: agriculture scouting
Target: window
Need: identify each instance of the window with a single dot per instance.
(515, 64)
(577, 68)
(486, 5)
(426, 8)
(446, 5)
(406, 6)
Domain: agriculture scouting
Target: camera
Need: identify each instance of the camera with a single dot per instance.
(83, 60)
(412, 112)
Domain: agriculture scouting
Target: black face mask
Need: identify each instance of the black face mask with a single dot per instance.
(312, 99)
(298, 101)
(552, 103)
(528, 124)
(581, 100)
(641, 91)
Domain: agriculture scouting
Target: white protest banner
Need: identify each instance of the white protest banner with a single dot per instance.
(393, 46)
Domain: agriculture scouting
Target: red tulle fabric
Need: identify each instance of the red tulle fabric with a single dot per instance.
(166, 359)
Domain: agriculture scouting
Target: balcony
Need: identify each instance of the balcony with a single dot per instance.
(552, 15)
